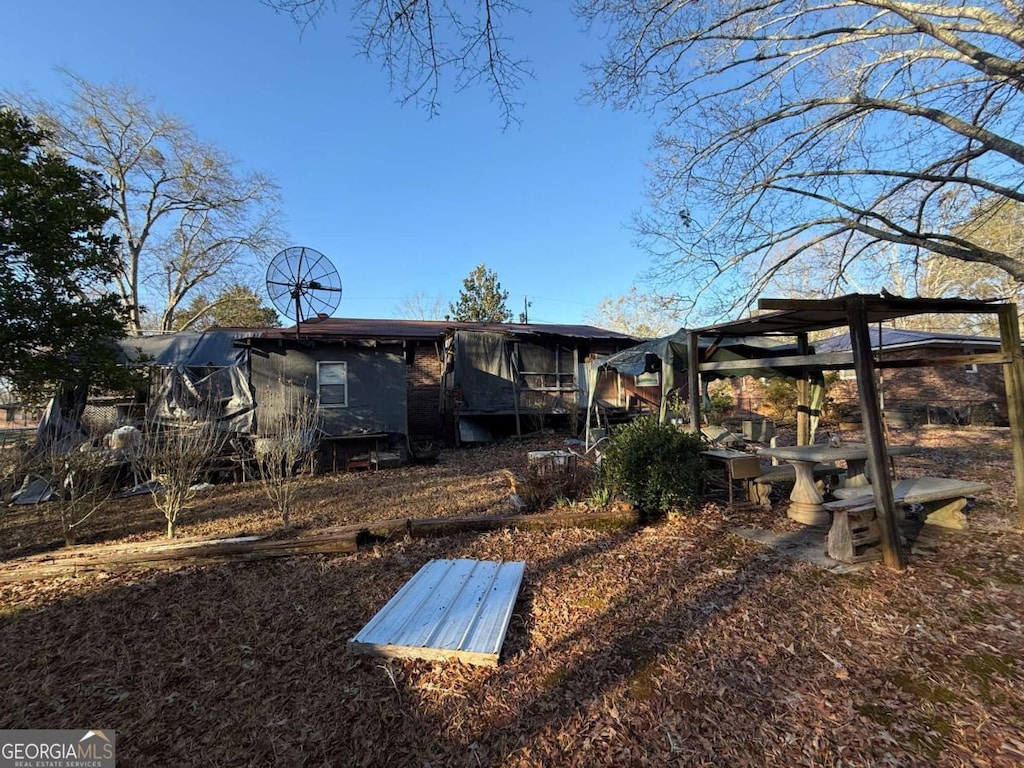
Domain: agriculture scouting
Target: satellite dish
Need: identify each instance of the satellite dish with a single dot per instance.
(302, 283)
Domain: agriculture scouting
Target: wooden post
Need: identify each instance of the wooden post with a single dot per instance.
(693, 377)
(871, 415)
(803, 398)
(1013, 379)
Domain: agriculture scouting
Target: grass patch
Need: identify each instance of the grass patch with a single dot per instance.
(876, 713)
(555, 677)
(922, 689)
(1009, 577)
(642, 686)
(965, 577)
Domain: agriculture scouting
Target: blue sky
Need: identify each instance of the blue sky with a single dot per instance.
(400, 203)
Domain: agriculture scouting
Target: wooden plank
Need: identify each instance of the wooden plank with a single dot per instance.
(693, 378)
(985, 358)
(825, 360)
(871, 414)
(803, 398)
(897, 304)
(844, 361)
(450, 609)
(1013, 380)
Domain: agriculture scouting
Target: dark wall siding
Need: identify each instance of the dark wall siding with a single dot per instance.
(376, 385)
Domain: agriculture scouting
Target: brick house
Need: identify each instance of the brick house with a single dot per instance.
(968, 393)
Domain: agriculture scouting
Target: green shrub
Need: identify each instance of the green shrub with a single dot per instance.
(653, 466)
(721, 404)
(780, 399)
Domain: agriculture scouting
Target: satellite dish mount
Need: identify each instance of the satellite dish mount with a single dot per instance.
(302, 283)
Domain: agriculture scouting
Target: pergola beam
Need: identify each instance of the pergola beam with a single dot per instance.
(871, 417)
(1013, 379)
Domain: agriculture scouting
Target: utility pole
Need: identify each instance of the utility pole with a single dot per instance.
(524, 316)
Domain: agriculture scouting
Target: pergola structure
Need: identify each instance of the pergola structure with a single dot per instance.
(799, 317)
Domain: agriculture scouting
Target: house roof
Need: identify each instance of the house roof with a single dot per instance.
(431, 330)
(896, 338)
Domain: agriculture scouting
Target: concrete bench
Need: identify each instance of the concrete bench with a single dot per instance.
(854, 532)
(759, 488)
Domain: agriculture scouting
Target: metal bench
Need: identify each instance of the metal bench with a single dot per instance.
(854, 532)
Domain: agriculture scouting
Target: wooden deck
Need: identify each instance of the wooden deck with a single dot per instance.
(451, 609)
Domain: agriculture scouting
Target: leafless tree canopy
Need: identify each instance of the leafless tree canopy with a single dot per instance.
(174, 458)
(856, 125)
(788, 124)
(421, 43)
(187, 217)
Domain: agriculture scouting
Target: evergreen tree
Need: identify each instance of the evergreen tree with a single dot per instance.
(58, 315)
(481, 299)
(237, 306)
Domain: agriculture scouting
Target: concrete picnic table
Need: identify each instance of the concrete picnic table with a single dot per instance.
(806, 500)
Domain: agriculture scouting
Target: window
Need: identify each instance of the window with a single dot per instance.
(970, 367)
(847, 374)
(332, 384)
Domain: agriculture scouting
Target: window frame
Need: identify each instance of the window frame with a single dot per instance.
(319, 383)
(970, 368)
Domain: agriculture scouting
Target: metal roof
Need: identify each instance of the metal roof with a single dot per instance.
(892, 338)
(789, 317)
(451, 609)
(364, 328)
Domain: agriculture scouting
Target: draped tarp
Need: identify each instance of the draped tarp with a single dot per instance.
(196, 376)
(485, 374)
(214, 348)
(221, 396)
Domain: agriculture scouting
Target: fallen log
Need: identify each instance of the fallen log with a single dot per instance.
(446, 526)
(341, 540)
(216, 551)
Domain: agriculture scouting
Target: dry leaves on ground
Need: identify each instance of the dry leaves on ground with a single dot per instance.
(672, 644)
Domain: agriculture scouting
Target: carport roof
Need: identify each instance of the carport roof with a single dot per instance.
(790, 317)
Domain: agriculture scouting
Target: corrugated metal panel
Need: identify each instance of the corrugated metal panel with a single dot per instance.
(451, 609)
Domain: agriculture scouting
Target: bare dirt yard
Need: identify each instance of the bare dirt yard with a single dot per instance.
(670, 644)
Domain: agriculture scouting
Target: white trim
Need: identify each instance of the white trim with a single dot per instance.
(344, 370)
(971, 367)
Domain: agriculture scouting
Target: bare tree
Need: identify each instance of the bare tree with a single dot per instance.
(858, 125)
(636, 312)
(187, 217)
(82, 481)
(173, 457)
(289, 434)
(419, 306)
(789, 124)
(421, 42)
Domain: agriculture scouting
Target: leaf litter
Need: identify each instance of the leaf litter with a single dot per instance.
(677, 643)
